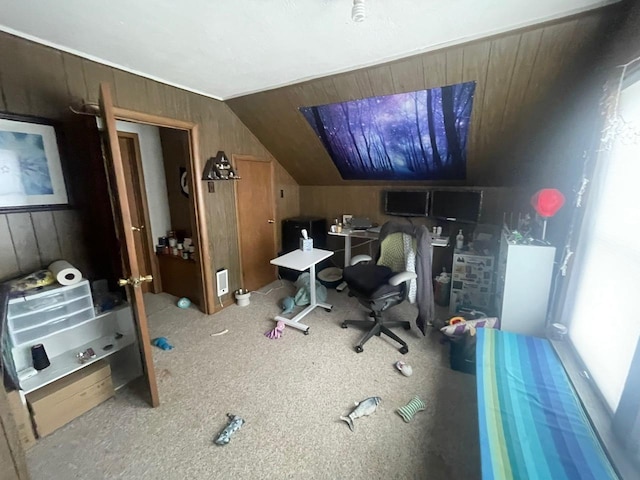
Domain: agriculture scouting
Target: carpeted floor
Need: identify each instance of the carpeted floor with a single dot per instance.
(290, 391)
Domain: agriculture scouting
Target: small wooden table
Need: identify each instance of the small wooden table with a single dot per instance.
(299, 260)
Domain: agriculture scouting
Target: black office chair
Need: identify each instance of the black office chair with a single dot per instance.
(379, 288)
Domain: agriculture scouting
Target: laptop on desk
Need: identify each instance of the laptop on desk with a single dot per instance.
(360, 223)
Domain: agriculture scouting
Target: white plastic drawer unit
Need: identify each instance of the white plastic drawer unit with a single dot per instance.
(50, 315)
(49, 311)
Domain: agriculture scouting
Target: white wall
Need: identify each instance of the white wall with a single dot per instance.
(154, 178)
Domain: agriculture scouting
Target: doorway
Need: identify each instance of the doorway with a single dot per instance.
(156, 163)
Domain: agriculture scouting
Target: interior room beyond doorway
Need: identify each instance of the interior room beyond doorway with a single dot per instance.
(158, 159)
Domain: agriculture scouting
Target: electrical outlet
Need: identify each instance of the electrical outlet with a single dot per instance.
(281, 193)
(222, 280)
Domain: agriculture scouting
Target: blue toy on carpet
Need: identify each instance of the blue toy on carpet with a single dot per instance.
(162, 342)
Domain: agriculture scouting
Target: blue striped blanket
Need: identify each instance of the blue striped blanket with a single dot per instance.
(532, 425)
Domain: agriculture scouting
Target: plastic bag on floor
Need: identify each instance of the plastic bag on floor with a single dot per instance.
(303, 294)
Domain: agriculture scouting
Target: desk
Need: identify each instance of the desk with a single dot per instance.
(299, 260)
(347, 233)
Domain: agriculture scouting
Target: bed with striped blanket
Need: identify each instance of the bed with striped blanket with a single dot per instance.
(532, 424)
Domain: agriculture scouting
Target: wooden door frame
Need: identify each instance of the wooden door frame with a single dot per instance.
(201, 232)
(156, 285)
(10, 439)
(250, 158)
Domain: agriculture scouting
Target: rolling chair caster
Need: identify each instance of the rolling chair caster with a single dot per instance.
(403, 350)
(359, 348)
(344, 325)
(306, 332)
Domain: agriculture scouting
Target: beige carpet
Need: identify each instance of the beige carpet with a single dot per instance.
(291, 393)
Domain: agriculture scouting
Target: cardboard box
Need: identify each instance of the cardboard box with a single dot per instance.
(56, 404)
(21, 416)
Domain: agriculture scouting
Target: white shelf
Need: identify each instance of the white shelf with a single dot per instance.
(66, 362)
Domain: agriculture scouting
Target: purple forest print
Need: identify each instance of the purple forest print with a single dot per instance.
(409, 136)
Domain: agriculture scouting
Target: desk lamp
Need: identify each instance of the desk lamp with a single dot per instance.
(546, 203)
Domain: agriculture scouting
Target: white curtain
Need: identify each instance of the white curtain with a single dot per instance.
(603, 309)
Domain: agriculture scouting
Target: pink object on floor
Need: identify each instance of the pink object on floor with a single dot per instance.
(276, 332)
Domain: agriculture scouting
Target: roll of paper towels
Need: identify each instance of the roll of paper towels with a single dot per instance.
(65, 273)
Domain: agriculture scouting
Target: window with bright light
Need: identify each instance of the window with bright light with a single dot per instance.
(605, 324)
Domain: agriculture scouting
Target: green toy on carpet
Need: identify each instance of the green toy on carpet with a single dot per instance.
(410, 409)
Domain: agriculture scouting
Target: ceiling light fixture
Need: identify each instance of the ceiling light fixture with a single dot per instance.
(357, 12)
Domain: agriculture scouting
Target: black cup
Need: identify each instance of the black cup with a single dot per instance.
(39, 356)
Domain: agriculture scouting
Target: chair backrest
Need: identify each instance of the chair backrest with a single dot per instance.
(397, 250)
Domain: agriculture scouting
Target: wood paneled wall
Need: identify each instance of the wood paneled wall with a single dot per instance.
(515, 73)
(31, 241)
(42, 81)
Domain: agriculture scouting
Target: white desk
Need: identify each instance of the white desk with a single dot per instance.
(299, 260)
(347, 233)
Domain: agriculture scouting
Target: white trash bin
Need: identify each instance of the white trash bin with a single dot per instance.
(242, 297)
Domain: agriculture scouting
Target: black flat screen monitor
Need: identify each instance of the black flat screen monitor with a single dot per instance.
(406, 203)
(456, 205)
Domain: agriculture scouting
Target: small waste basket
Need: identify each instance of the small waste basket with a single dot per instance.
(242, 297)
(442, 289)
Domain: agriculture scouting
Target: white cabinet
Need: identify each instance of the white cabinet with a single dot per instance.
(62, 318)
(523, 284)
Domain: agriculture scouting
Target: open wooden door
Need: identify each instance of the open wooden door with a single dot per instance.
(124, 225)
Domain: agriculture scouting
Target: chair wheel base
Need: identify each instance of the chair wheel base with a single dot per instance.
(344, 325)
(306, 332)
(403, 350)
(407, 327)
(359, 348)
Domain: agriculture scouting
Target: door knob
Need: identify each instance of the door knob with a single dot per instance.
(135, 281)
(137, 229)
(271, 221)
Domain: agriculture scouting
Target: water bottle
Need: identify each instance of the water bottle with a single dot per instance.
(459, 240)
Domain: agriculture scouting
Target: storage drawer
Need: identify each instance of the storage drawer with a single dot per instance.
(45, 299)
(34, 334)
(51, 314)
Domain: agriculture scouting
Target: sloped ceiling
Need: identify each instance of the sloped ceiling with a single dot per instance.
(516, 73)
(225, 49)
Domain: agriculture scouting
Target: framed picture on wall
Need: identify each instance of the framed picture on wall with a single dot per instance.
(31, 176)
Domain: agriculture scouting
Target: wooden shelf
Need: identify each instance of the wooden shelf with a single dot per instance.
(175, 257)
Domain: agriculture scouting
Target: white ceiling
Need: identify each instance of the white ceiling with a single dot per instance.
(225, 49)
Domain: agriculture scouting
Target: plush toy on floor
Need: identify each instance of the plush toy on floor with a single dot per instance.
(410, 409)
(235, 422)
(162, 342)
(276, 332)
(288, 304)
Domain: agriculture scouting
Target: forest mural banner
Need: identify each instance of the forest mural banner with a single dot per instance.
(409, 136)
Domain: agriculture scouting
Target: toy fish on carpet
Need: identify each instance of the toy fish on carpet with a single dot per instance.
(235, 422)
(365, 407)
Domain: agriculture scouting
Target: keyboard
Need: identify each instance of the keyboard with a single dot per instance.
(374, 229)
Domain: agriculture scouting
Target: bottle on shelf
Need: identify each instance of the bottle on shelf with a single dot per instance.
(459, 240)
